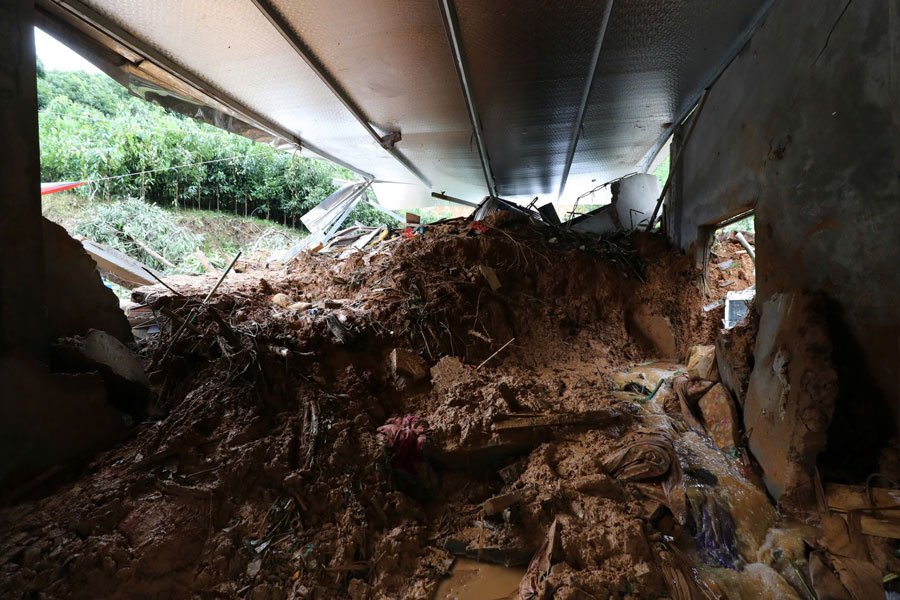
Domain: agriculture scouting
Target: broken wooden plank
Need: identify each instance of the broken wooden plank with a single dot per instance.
(204, 260)
(498, 504)
(885, 528)
(404, 362)
(843, 498)
(597, 417)
(366, 239)
(117, 266)
(490, 276)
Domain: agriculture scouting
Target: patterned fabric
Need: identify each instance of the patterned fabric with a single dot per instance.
(648, 455)
(643, 455)
(406, 437)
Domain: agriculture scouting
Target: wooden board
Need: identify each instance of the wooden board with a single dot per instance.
(490, 276)
(600, 417)
(118, 267)
(843, 498)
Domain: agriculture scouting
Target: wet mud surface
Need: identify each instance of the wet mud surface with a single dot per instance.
(263, 473)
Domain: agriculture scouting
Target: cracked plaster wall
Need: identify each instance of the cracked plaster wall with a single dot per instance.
(804, 126)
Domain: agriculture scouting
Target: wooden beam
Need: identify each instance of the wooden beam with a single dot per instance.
(118, 267)
(844, 498)
(596, 417)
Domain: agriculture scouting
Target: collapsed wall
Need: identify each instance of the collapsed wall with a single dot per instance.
(810, 144)
(62, 407)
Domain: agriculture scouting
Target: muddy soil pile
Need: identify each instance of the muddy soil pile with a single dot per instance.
(263, 473)
(730, 267)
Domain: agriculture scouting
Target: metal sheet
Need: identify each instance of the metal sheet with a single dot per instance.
(529, 61)
(392, 58)
(230, 44)
(656, 59)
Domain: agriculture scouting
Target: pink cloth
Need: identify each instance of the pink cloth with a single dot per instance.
(406, 438)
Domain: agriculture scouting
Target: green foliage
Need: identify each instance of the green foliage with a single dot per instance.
(122, 224)
(436, 213)
(747, 224)
(92, 129)
(132, 225)
(94, 90)
(662, 172)
(366, 214)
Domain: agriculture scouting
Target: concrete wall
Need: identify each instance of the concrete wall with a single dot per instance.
(23, 310)
(804, 126)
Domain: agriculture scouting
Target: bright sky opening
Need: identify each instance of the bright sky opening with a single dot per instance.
(57, 56)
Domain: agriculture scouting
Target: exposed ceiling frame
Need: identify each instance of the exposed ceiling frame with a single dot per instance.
(100, 22)
(451, 23)
(740, 42)
(306, 53)
(585, 97)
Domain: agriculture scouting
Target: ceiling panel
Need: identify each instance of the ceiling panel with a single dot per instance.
(393, 59)
(232, 46)
(656, 59)
(529, 62)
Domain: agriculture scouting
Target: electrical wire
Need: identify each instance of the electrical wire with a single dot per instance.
(205, 162)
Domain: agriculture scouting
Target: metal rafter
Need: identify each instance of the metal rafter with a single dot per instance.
(101, 23)
(585, 97)
(300, 47)
(451, 23)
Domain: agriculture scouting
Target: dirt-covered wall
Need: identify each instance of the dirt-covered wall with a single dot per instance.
(804, 126)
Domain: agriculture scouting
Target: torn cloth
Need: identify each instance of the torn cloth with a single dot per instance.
(643, 455)
(405, 438)
(648, 455)
(715, 536)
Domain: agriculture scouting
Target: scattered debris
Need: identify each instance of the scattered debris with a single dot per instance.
(122, 371)
(701, 364)
(407, 367)
(498, 504)
(283, 461)
(534, 583)
(597, 418)
(737, 306)
(720, 418)
(490, 276)
(117, 266)
(500, 349)
(743, 241)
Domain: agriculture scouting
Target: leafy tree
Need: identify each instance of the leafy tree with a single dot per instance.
(92, 129)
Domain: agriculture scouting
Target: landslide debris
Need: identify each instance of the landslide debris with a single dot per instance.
(262, 472)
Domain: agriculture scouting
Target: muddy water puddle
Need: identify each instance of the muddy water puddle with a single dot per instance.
(472, 580)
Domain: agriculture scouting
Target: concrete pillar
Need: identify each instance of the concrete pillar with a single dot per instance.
(23, 308)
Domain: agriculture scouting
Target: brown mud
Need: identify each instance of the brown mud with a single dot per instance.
(262, 475)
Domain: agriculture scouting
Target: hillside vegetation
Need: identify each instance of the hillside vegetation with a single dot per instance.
(92, 129)
(147, 232)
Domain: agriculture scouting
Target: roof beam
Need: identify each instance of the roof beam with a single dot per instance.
(88, 16)
(451, 23)
(736, 47)
(585, 97)
(294, 41)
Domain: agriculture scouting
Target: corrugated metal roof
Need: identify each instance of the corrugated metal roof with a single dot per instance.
(336, 75)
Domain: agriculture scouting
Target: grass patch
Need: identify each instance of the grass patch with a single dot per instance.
(142, 230)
